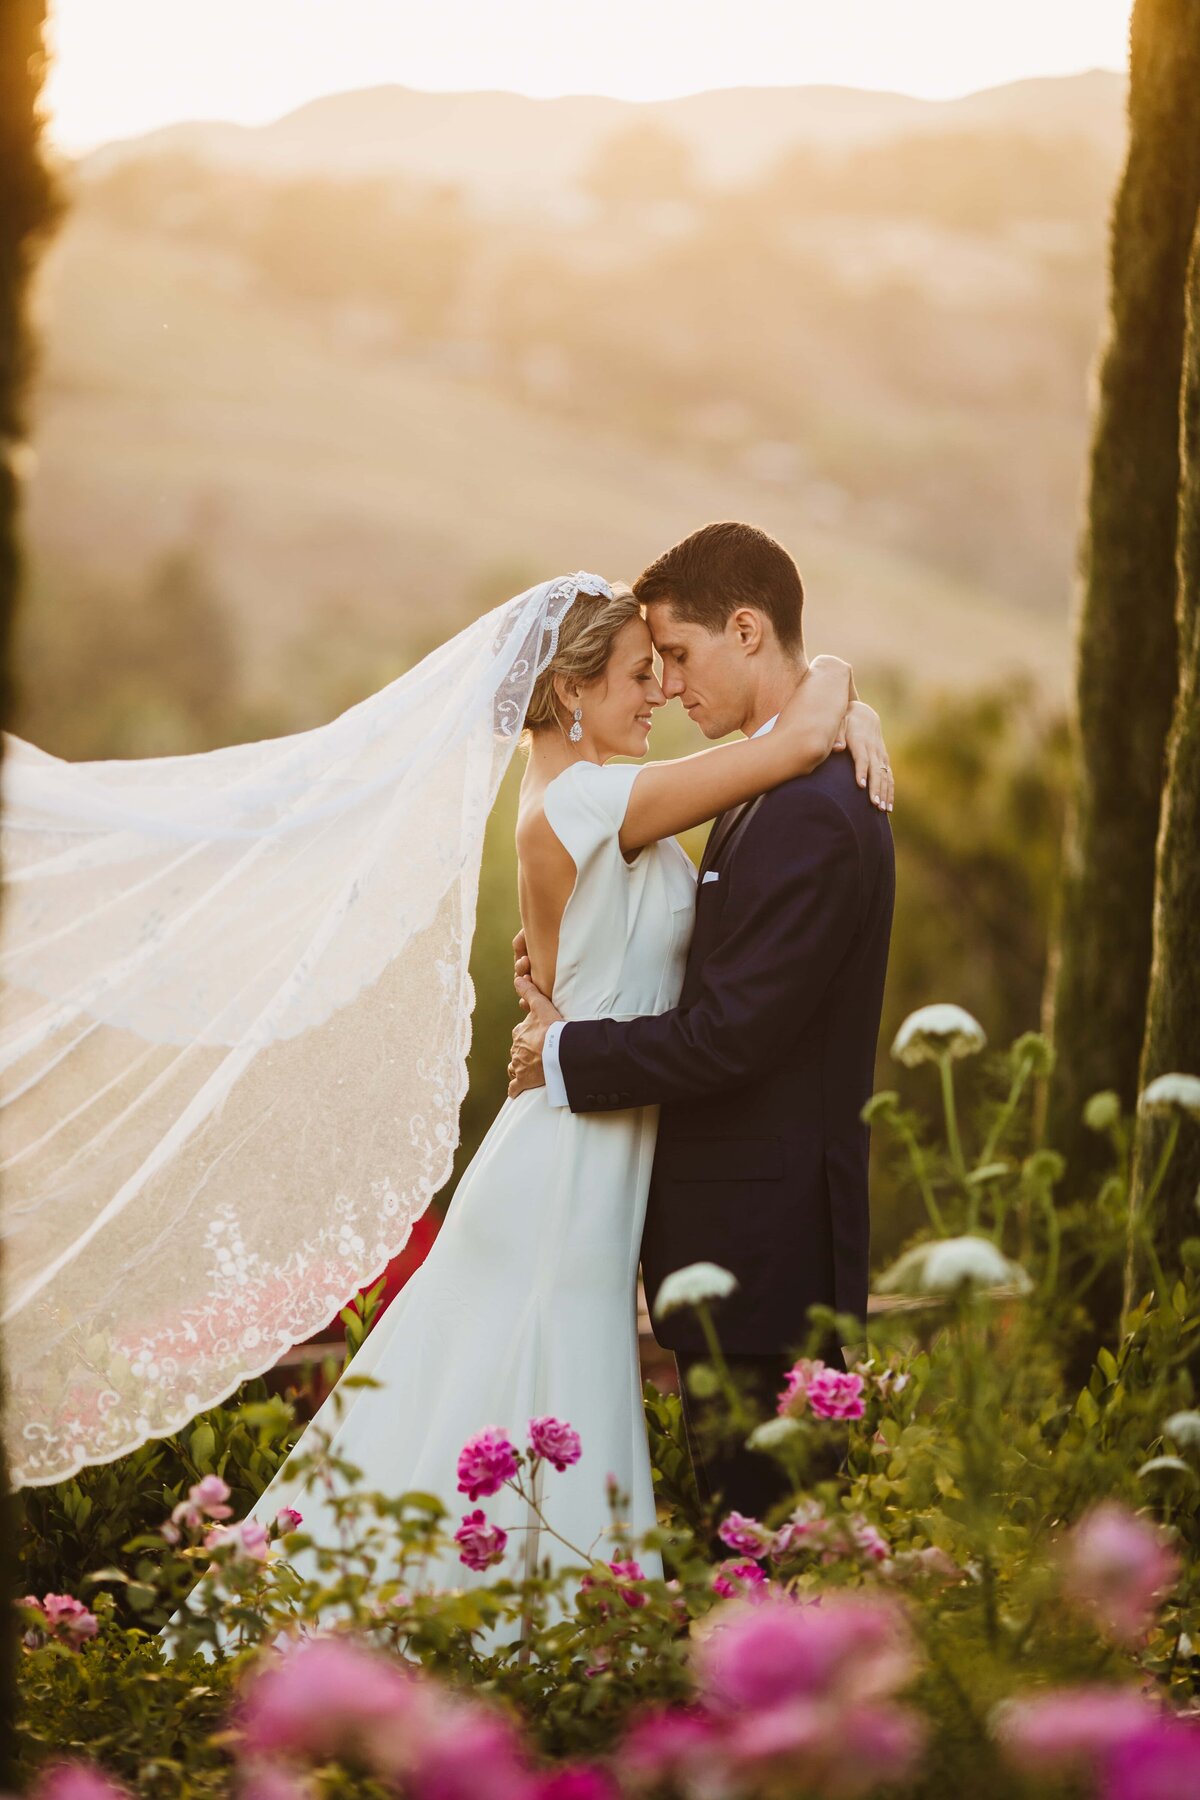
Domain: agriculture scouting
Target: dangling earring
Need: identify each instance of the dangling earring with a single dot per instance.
(576, 731)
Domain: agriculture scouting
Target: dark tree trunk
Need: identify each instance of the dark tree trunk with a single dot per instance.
(26, 209)
(1126, 655)
(1173, 1014)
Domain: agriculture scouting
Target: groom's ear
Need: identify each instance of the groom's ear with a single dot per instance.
(749, 628)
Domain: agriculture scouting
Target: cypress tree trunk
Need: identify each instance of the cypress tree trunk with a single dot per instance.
(27, 204)
(1126, 673)
(1173, 1015)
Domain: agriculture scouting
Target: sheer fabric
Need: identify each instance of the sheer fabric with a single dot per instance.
(235, 1018)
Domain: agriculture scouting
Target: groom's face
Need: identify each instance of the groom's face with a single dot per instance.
(706, 671)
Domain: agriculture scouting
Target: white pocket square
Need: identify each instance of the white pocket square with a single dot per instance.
(712, 875)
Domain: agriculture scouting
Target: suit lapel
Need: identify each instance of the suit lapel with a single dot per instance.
(724, 827)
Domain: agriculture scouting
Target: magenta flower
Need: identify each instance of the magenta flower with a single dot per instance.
(485, 1463)
(1160, 1762)
(206, 1499)
(288, 1519)
(744, 1535)
(871, 1545)
(781, 1650)
(583, 1781)
(64, 1619)
(675, 1745)
(324, 1697)
(826, 1748)
(250, 1541)
(813, 1387)
(1070, 1731)
(76, 1781)
(624, 1572)
(733, 1579)
(555, 1442)
(480, 1544)
(1117, 1566)
(832, 1394)
(471, 1754)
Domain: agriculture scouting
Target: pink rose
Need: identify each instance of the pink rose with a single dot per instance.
(745, 1535)
(471, 1753)
(826, 1393)
(732, 1579)
(485, 1463)
(673, 1746)
(1070, 1731)
(324, 1697)
(1159, 1762)
(782, 1650)
(583, 1781)
(871, 1545)
(555, 1442)
(76, 1781)
(826, 1748)
(66, 1619)
(205, 1500)
(624, 1572)
(250, 1541)
(480, 1544)
(288, 1519)
(1118, 1566)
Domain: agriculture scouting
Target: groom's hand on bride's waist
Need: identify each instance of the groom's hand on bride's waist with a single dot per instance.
(525, 1067)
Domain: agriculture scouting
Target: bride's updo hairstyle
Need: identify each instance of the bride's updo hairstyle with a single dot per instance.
(585, 643)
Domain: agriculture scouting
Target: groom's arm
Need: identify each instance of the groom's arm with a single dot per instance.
(792, 907)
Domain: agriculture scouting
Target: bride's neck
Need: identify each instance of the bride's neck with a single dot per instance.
(550, 752)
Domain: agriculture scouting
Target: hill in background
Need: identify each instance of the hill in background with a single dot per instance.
(320, 391)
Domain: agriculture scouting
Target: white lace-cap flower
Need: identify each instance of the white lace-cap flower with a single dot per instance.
(944, 1265)
(1167, 1093)
(772, 1433)
(1183, 1427)
(689, 1287)
(934, 1031)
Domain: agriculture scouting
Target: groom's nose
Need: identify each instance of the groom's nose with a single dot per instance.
(673, 683)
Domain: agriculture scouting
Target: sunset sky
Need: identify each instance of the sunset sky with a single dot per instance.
(125, 66)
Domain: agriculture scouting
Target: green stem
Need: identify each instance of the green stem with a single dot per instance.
(952, 1137)
(1005, 1114)
(918, 1163)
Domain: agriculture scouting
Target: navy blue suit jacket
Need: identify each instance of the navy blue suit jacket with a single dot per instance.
(764, 1066)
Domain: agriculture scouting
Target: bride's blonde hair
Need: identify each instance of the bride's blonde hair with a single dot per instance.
(585, 643)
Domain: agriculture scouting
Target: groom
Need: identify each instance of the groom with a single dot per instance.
(762, 1069)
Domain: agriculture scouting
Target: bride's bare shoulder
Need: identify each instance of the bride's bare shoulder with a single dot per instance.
(538, 846)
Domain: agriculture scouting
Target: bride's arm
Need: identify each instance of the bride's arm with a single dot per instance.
(669, 797)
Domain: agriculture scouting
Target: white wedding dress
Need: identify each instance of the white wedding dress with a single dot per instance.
(526, 1304)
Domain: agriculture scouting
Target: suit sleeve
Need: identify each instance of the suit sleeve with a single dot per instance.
(791, 912)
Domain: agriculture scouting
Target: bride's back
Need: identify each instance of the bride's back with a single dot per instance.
(609, 936)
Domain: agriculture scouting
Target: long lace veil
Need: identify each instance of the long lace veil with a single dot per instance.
(235, 1017)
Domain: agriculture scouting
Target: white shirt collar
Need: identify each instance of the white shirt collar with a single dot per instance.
(763, 729)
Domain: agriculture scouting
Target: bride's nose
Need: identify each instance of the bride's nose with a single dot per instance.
(656, 695)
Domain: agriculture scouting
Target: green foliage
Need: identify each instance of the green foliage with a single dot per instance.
(957, 1489)
(80, 1523)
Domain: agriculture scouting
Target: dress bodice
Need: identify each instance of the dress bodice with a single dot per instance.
(625, 932)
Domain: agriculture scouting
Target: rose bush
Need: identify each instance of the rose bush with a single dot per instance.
(984, 1581)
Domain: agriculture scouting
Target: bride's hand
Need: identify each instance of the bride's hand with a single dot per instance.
(862, 736)
(521, 966)
(813, 716)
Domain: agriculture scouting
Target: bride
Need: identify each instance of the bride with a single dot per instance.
(223, 1023)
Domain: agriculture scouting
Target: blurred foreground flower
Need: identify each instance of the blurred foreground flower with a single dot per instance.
(1118, 1566)
(692, 1286)
(946, 1264)
(802, 1693)
(77, 1781)
(935, 1031)
(1168, 1094)
(65, 1620)
(1069, 1732)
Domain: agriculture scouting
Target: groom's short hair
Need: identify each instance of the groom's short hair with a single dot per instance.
(707, 576)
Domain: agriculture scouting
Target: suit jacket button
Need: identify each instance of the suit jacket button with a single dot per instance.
(589, 1100)
(614, 1099)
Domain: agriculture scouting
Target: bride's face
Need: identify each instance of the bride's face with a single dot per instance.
(617, 709)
